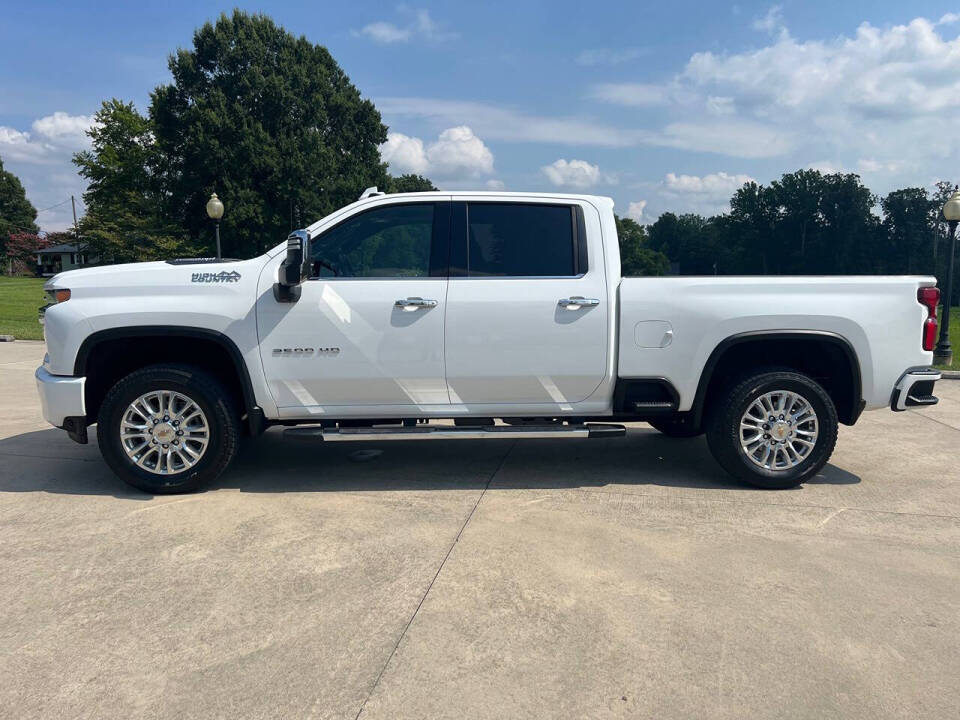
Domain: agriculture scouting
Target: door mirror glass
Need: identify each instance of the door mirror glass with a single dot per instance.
(295, 267)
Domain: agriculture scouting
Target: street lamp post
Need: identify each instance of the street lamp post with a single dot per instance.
(215, 212)
(943, 354)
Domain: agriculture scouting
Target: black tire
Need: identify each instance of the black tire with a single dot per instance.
(723, 429)
(674, 428)
(209, 395)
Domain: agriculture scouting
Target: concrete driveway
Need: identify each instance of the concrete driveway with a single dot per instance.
(613, 578)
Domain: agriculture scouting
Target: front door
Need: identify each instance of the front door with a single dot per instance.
(527, 312)
(368, 327)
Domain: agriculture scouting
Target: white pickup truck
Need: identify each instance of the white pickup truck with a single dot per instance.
(503, 312)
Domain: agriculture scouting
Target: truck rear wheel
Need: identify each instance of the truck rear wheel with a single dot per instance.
(168, 429)
(773, 430)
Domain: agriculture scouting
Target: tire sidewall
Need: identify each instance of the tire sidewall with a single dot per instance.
(742, 397)
(148, 380)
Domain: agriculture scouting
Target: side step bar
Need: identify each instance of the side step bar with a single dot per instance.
(450, 432)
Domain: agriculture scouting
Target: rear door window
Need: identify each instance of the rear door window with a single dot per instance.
(521, 240)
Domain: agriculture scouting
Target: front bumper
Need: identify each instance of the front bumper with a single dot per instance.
(61, 397)
(915, 389)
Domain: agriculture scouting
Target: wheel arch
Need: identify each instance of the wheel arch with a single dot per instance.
(840, 360)
(96, 347)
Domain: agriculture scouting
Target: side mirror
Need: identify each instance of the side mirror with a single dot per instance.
(295, 267)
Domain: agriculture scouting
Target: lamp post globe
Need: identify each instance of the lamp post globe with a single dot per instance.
(215, 212)
(943, 354)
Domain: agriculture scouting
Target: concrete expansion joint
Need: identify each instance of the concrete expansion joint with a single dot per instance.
(443, 562)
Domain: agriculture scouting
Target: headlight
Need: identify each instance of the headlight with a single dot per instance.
(57, 295)
(54, 296)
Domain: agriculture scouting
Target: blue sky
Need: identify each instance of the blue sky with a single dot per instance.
(664, 106)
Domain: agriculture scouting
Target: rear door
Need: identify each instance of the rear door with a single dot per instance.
(527, 311)
(367, 330)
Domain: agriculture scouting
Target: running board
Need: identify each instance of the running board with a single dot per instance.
(463, 432)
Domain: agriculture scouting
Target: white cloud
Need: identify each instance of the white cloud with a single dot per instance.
(869, 166)
(704, 194)
(494, 184)
(825, 166)
(502, 123)
(16, 145)
(715, 184)
(608, 56)
(635, 210)
(51, 139)
(771, 22)
(457, 152)
(41, 158)
(720, 105)
(384, 32)
(632, 94)
(738, 138)
(419, 26)
(404, 154)
(64, 128)
(889, 94)
(575, 173)
(903, 70)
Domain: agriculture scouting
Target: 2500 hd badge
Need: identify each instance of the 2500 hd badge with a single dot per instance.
(306, 352)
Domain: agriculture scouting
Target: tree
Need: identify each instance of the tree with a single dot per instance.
(805, 222)
(849, 231)
(636, 259)
(797, 196)
(125, 198)
(754, 214)
(907, 236)
(17, 214)
(688, 240)
(409, 183)
(19, 254)
(267, 120)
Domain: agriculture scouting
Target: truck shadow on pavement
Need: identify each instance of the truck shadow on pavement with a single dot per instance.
(48, 461)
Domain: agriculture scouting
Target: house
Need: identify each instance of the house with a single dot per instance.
(58, 258)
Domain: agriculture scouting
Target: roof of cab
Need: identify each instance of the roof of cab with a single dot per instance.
(440, 194)
(370, 199)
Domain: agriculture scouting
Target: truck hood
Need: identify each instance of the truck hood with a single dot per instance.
(163, 277)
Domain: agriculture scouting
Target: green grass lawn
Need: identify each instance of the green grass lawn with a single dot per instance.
(20, 298)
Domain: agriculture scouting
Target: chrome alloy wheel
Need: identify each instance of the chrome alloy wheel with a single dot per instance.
(164, 432)
(779, 430)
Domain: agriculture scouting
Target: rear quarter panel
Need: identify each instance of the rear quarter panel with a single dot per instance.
(878, 316)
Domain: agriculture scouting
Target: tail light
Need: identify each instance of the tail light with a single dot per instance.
(929, 297)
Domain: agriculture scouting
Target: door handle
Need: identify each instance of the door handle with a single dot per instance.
(576, 302)
(412, 304)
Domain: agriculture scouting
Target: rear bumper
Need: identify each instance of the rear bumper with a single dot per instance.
(60, 397)
(915, 389)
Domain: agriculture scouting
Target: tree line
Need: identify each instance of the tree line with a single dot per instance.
(805, 223)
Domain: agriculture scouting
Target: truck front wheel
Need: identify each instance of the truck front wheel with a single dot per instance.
(773, 430)
(168, 429)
